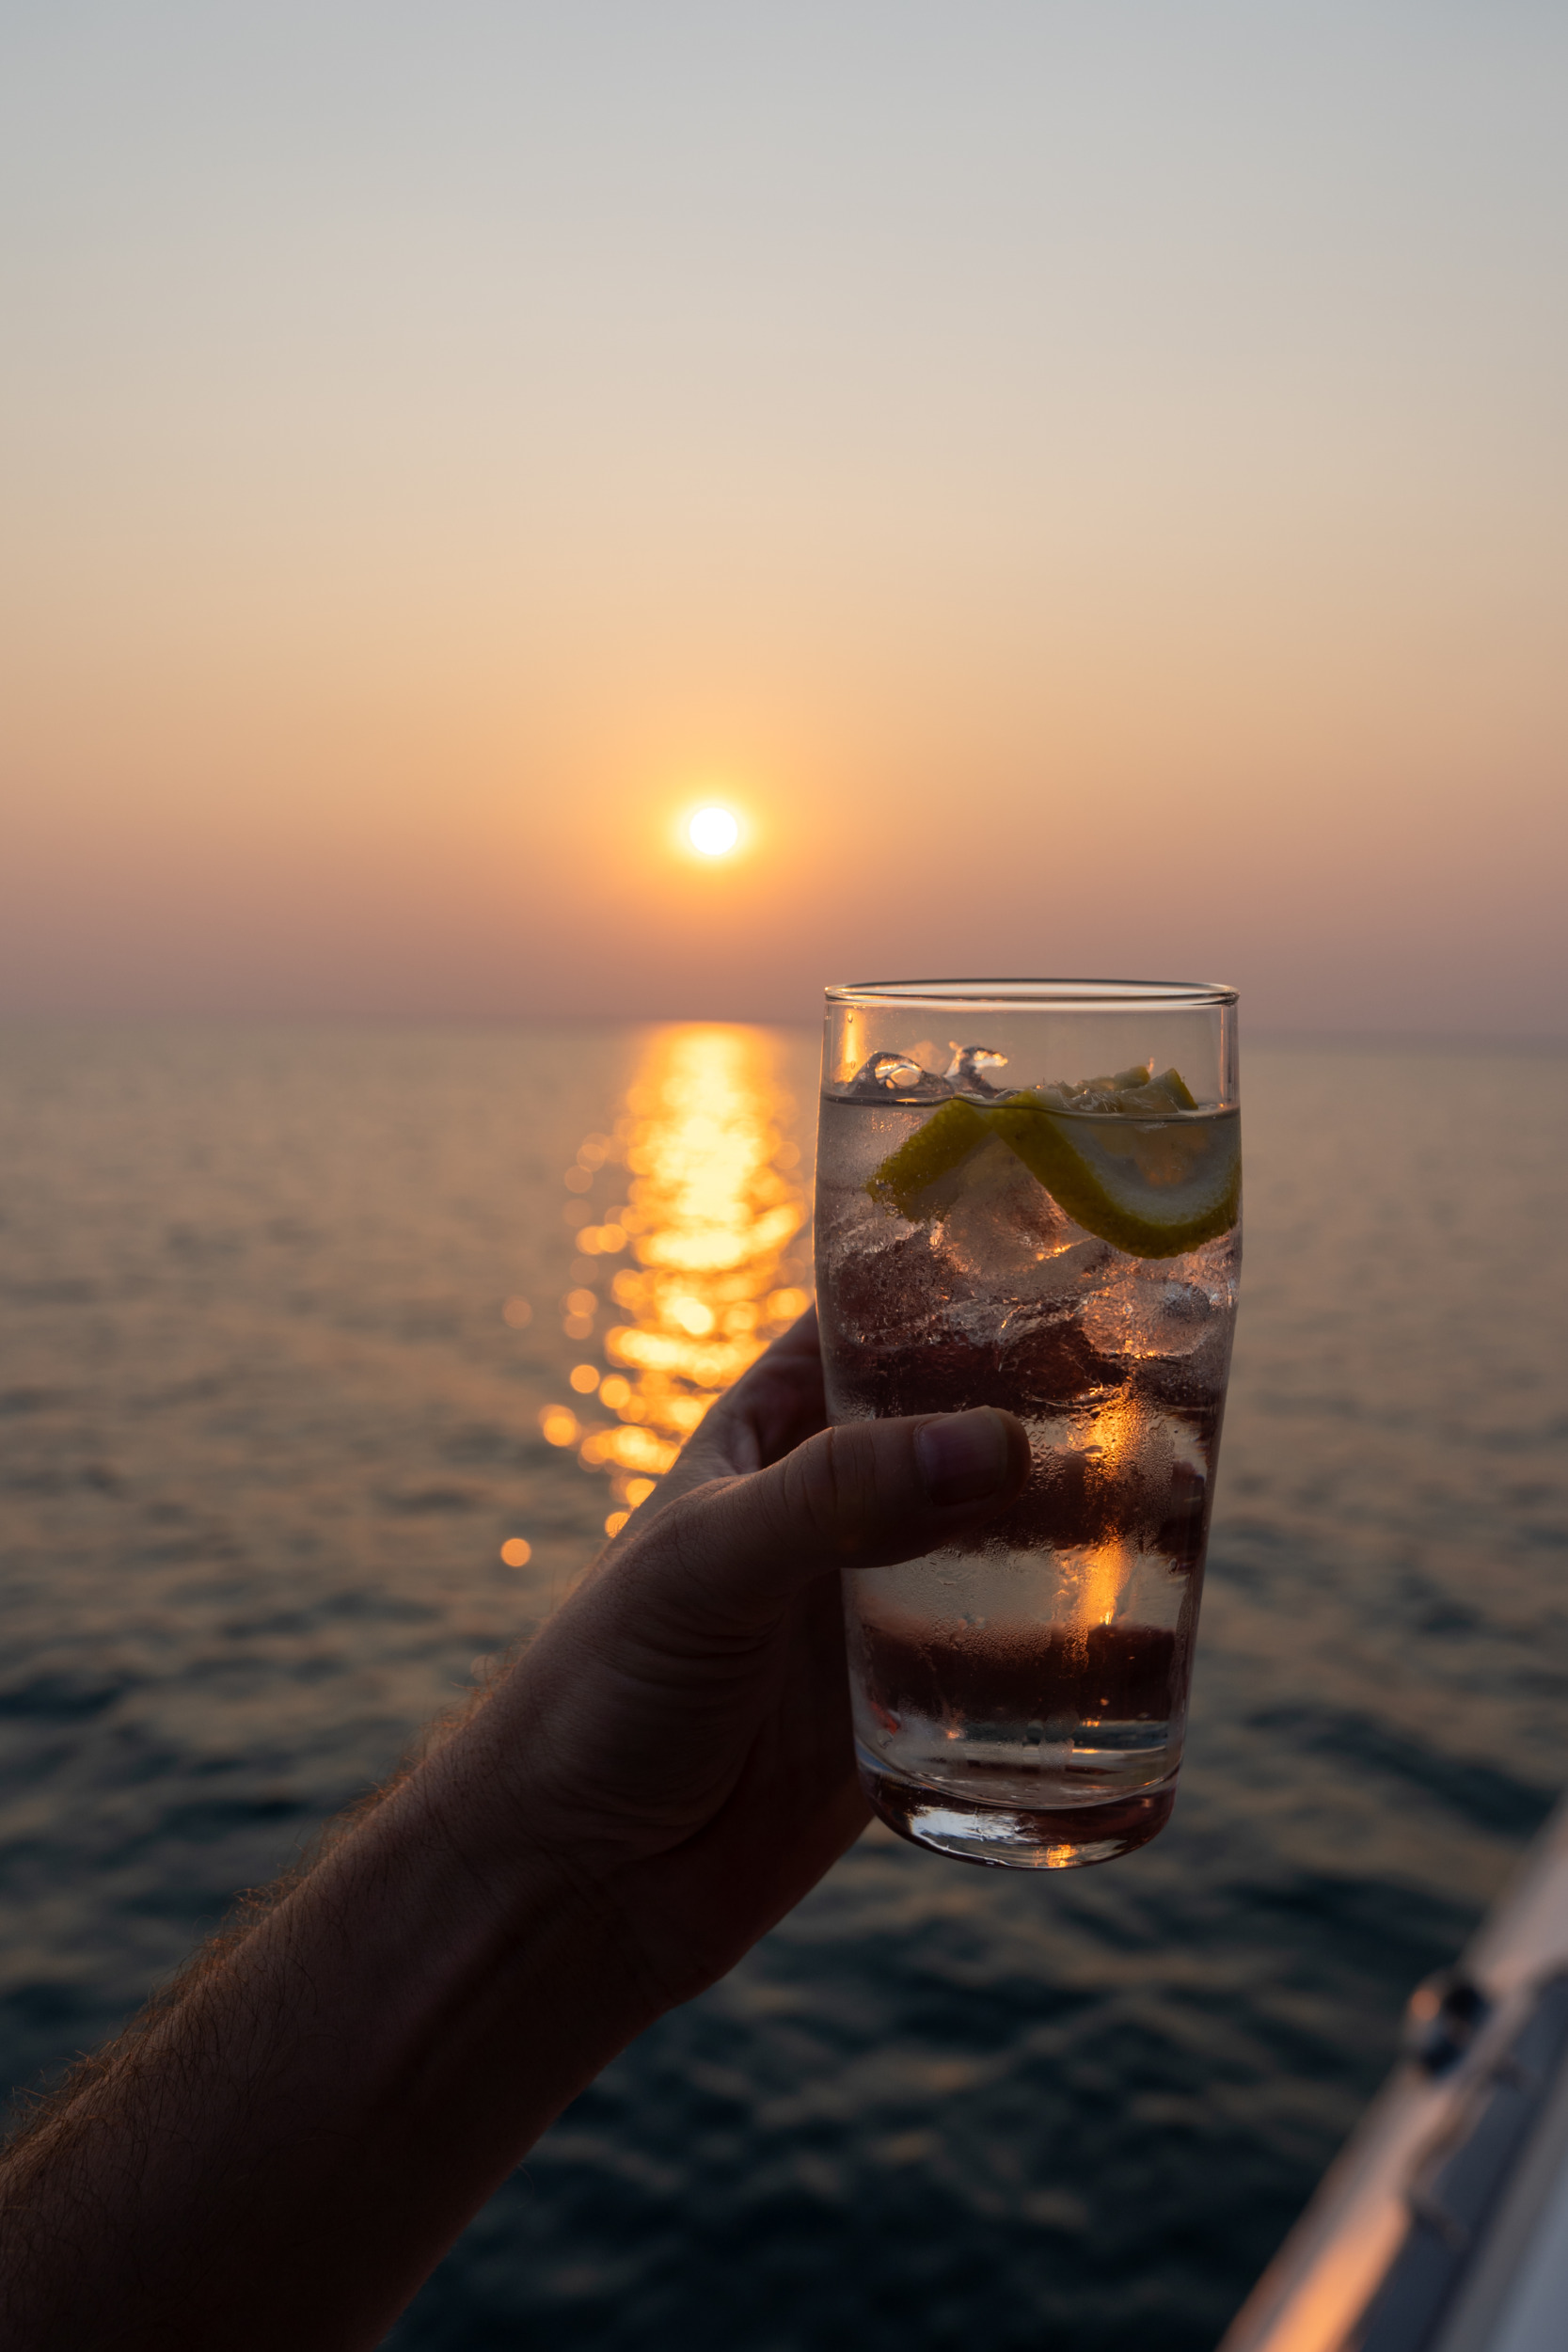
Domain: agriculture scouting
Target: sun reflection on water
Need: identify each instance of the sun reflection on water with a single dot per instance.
(1110, 1442)
(702, 1255)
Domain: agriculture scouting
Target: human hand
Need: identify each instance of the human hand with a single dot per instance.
(290, 2138)
(676, 1742)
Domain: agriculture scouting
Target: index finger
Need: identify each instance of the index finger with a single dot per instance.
(773, 1407)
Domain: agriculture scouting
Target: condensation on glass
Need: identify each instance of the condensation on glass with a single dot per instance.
(1028, 1196)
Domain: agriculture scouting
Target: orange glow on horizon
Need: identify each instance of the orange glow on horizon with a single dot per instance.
(372, 645)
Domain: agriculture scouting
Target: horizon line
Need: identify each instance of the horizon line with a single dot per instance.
(1266, 1033)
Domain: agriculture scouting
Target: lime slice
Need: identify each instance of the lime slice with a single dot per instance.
(1114, 1153)
(1135, 1092)
(1154, 1188)
(935, 1149)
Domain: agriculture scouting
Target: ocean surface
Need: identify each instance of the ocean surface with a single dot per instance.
(288, 1325)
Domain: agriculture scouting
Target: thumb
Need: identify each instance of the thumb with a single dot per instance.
(860, 1495)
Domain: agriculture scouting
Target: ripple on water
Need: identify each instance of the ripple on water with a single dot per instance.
(264, 1426)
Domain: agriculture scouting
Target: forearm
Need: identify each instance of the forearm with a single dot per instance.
(283, 2152)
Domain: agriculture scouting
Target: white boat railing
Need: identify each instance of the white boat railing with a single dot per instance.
(1443, 2225)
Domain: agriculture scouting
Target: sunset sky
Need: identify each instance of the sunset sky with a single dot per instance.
(1083, 484)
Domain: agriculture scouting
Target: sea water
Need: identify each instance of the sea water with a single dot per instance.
(265, 1426)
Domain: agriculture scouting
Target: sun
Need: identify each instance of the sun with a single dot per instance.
(713, 832)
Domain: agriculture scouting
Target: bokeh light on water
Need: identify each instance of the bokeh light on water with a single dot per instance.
(693, 1251)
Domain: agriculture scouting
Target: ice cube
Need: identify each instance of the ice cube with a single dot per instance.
(1002, 1221)
(1143, 1317)
(884, 1296)
(967, 1068)
(1067, 1273)
(894, 1078)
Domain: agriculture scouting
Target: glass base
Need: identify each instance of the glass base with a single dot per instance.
(1013, 1838)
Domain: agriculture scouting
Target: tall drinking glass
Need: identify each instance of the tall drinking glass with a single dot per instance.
(1028, 1193)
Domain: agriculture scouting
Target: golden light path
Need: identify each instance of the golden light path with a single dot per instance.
(700, 1253)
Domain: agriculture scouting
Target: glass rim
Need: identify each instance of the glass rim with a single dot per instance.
(1036, 995)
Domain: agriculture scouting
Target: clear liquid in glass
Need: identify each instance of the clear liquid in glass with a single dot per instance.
(1024, 1701)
